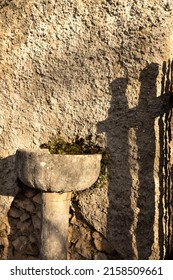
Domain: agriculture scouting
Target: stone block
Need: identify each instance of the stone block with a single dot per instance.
(15, 212)
(37, 198)
(25, 204)
(36, 222)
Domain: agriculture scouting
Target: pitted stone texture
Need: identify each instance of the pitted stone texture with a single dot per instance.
(57, 173)
(96, 215)
(57, 64)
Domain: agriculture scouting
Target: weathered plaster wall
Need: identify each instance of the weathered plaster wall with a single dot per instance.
(84, 67)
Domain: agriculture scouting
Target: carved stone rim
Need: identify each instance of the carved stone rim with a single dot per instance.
(57, 173)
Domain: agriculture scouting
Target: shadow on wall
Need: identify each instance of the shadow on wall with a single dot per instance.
(139, 172)
(8, 177)
(19, 215)
(8, 190)
(140, 184)
(24, 218)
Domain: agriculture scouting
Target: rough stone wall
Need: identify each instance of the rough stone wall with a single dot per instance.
(24, 219)
(24, 231)
(82, 67)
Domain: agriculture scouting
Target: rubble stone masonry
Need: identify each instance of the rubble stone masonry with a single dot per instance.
(86, 67)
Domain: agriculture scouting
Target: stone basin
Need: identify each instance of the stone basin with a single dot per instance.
(57, 176)
(57, 173)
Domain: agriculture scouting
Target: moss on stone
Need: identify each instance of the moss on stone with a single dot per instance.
(80, 146)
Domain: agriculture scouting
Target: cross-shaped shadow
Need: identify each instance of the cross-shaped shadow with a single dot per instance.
(133, 182)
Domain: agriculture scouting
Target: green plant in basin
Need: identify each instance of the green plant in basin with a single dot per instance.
(80, 146)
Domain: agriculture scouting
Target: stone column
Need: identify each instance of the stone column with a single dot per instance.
(55, 218)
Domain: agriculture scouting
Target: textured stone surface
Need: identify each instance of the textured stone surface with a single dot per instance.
(24, 227)
(71, 65)
(80, 241)
(55, 221)
(94, 206)
(57, 173)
